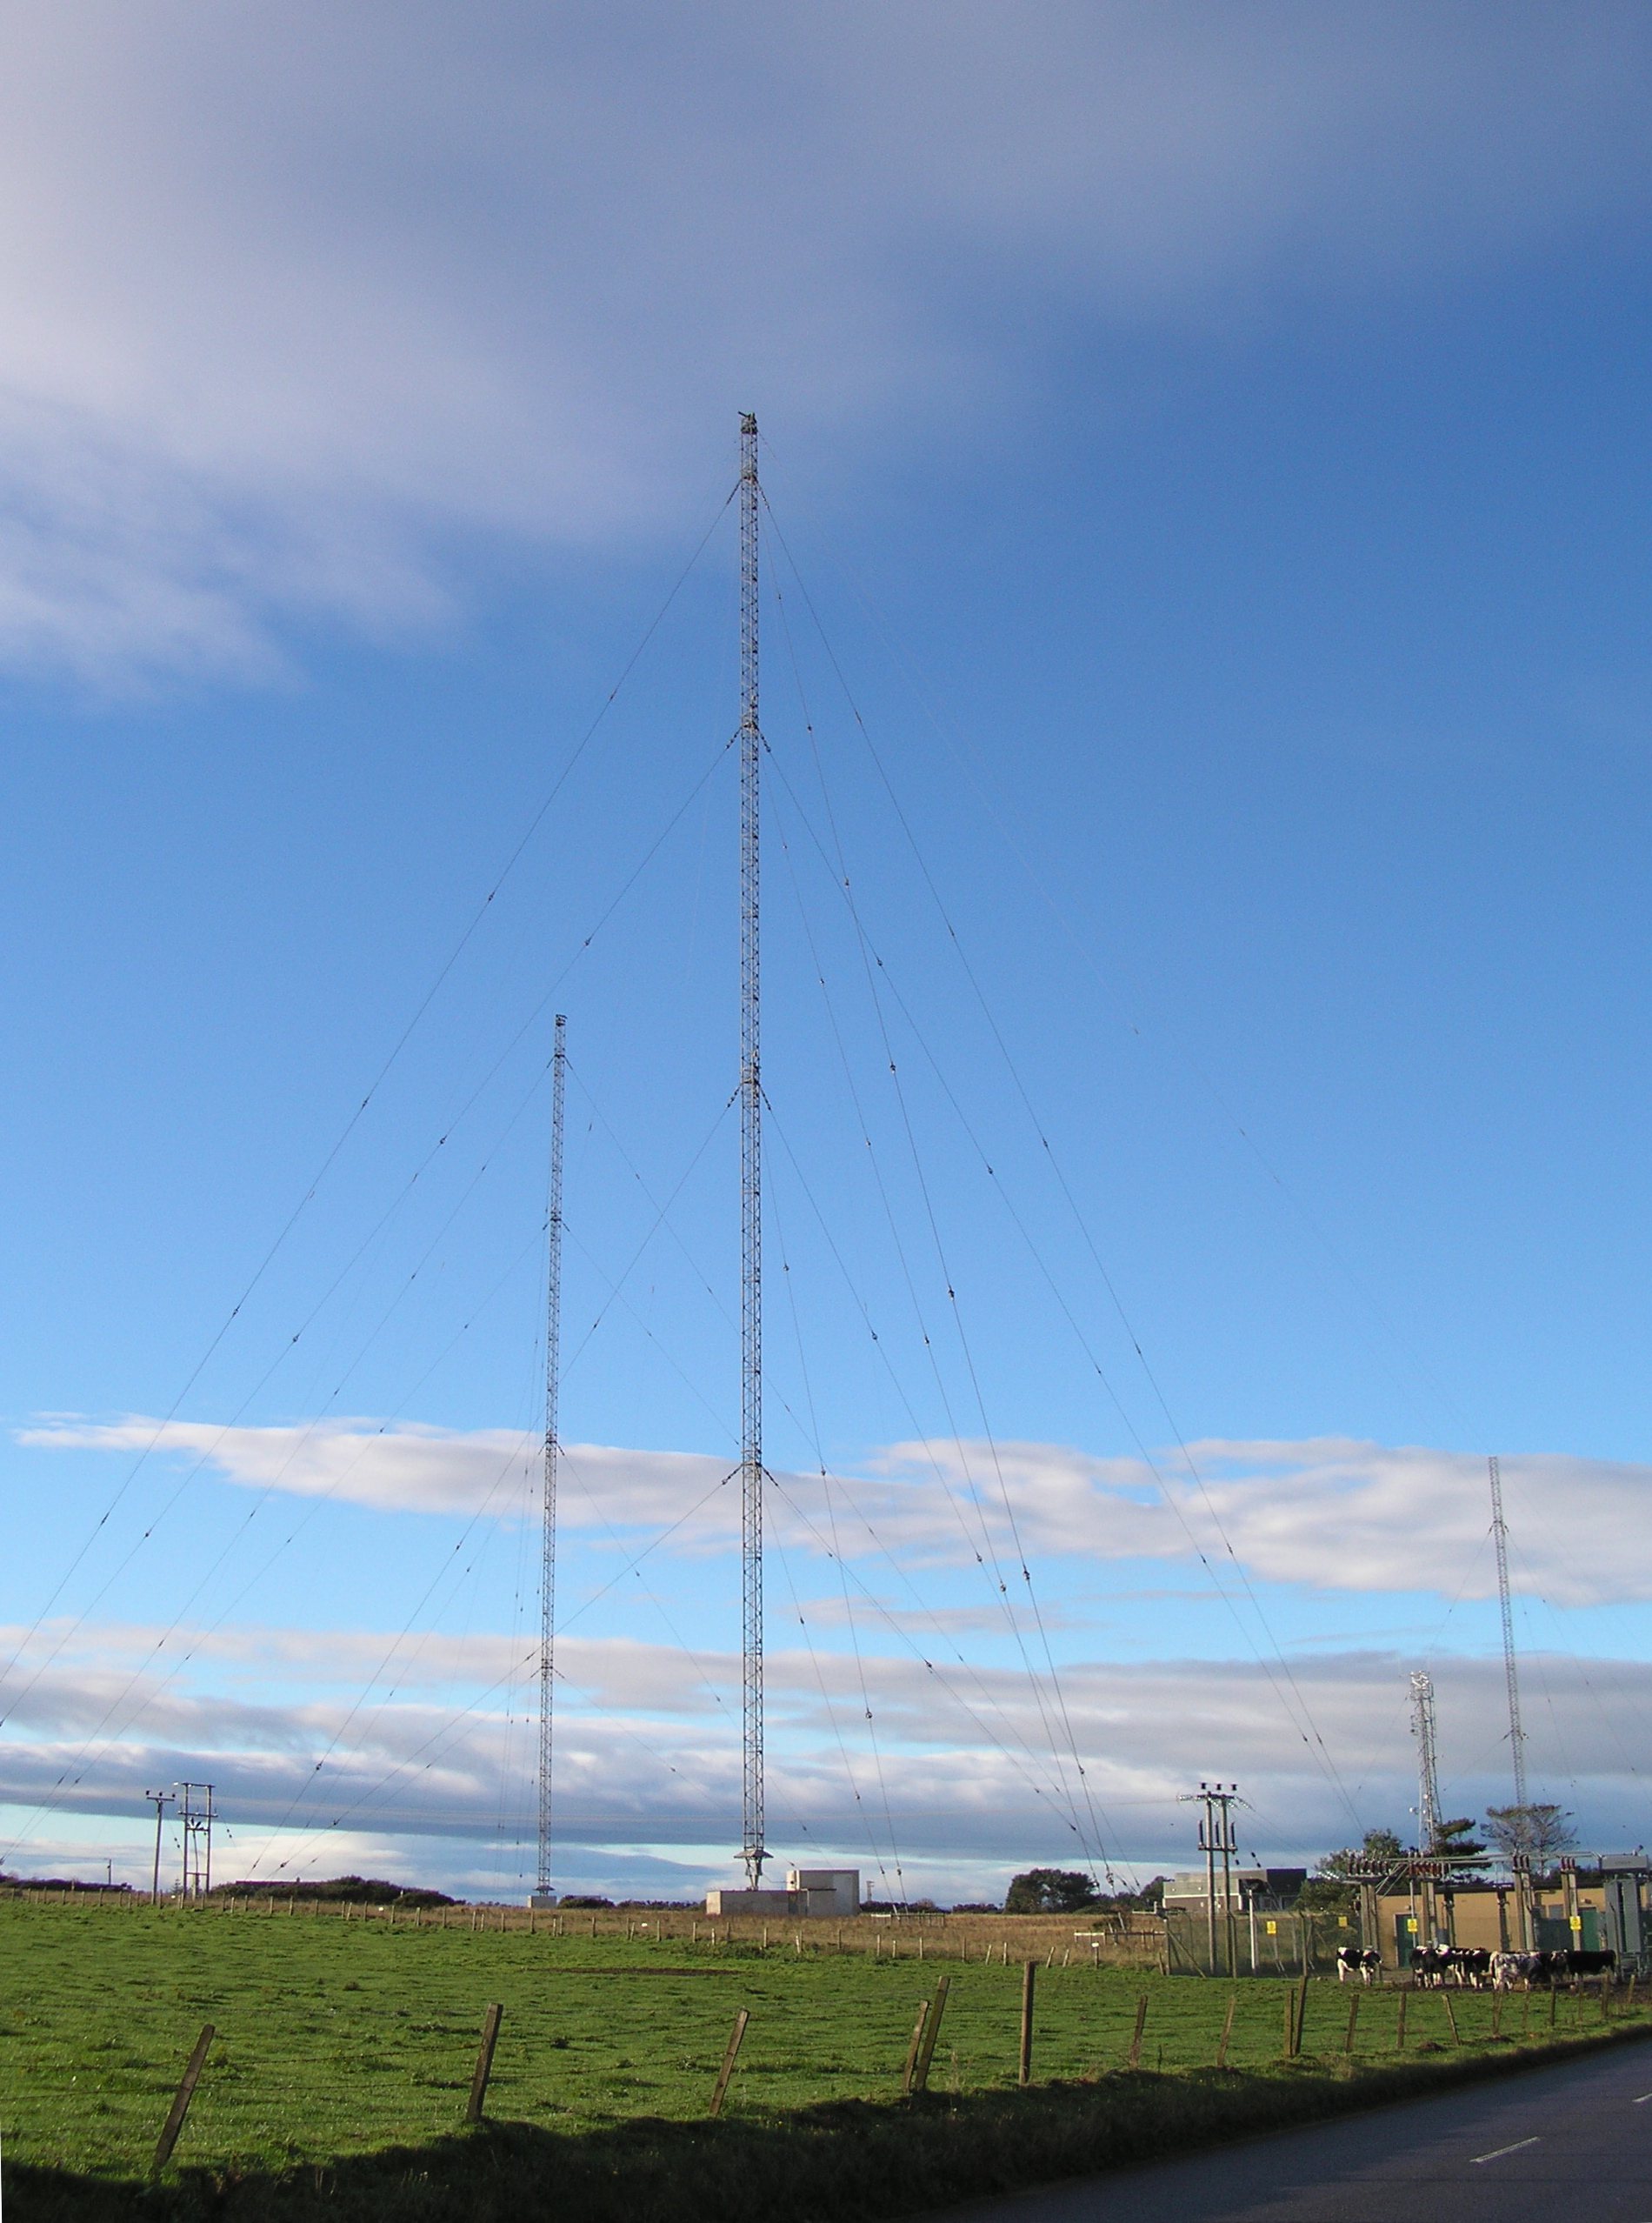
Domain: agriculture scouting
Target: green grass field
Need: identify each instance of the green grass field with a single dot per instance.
(338, 2040)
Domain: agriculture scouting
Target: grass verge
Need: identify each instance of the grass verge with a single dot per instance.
(844, 2161)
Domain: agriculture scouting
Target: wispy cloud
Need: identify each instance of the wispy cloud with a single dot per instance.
(294, 298)
(1329, 1512)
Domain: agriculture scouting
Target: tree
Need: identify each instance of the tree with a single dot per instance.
(1542, 1832)
(1329, 1891)
(1455, 1839)
(1049, 1891)
(1326, 1894)
(1378, 1846)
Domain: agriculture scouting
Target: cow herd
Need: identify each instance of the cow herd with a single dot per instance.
(1475, 1968)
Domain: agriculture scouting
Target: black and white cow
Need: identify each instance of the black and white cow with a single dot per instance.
(1430, 1964)
(1467, 1966)
(1580, 1963)
(1563, 1966)
(1363, 1961)
(1508, 1969)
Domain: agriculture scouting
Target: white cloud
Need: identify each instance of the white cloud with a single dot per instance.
(967, 1764)
(294, 296)
(408, 1469)
(1330, 1512)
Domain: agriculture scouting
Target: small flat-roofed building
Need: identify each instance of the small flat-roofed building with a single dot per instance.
(829, 1891)
(812, 1892)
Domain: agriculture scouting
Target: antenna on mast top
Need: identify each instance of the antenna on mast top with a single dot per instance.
(753, 1852)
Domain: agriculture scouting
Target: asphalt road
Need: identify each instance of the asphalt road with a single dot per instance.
(1571, 2144)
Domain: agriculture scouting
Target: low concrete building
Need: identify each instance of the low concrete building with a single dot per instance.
(829, 1891)
(770, 1904)
(816, 1892)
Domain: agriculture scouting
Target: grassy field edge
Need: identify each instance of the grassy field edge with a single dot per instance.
(851, 2161)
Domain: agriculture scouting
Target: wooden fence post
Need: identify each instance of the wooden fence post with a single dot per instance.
(1301, 2014)
(1134, 2058)
(1451, 2017)
(1227, 2030)
(926, 2051)
(484, 2063)
(1399, 2035)
(1353, 2016)
(180, 2106)
(1029, 1970)
(918, 2029)
(1290, 2021)
(727, 2070)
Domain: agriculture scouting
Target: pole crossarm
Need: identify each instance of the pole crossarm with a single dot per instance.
(1415, 1868)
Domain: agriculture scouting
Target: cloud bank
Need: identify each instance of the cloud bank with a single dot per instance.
(1330, 1512)
(966, 1767)
(295, 301)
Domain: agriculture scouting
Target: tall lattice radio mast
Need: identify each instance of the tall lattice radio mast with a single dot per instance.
(543, 1892)
(1422, 1729)
(752, 1850)
(1500, 1537)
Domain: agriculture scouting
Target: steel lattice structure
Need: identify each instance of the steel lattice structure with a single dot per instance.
(752, 1849)
(548, 1532)
(1500, 1537)
(1423, 1728)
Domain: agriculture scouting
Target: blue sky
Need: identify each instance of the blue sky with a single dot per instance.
(1207, 463)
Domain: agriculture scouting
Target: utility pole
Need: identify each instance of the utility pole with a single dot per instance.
(1223, 1800)
(162, 1799)
(1500, 1537)
(196, 1816)
(752, 1849)
(542, 1894)
(1216, 1836)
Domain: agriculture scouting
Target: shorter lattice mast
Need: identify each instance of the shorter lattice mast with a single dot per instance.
(1500, 1538)
(1422, 1729)
(543, 1892)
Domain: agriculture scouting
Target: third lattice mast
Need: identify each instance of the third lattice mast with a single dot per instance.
(1423, 1729)
(752, 1850)
(1500, 1537)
